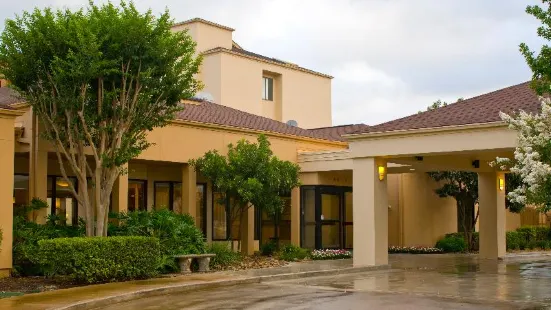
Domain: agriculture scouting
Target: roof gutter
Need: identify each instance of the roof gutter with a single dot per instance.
(423, 131)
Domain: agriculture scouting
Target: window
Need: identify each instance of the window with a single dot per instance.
(20, 189)
(201, 202)
(137, 195)
(267, 88)
(168, 195)
(219, 217)
(61, 200)
(267, 227)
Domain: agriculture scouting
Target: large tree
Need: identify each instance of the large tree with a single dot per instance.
(250, 175)
(98, 79)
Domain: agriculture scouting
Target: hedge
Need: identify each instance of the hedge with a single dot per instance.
(100, 259)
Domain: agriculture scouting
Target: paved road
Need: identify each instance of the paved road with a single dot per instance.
(292, 296)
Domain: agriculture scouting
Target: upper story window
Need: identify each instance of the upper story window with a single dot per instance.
(267, 88)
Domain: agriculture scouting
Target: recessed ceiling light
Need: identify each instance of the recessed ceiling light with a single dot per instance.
(412, 169)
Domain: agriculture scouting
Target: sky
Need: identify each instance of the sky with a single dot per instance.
(389, 58)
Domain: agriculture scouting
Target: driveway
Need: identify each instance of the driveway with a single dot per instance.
(414, 282)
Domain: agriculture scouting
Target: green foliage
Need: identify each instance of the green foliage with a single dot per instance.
(268, 248)
(249, 175)
(177, 233)
(100, 259)
(27, 234)
(99, 79)
(512, 181)
(452, 244)
(514, 241)
(541, 71)
(292, 253)
(224, 255)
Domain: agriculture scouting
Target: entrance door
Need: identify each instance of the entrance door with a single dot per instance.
(326, 216)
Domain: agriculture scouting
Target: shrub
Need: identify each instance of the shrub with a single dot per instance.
(100, 259)
(268, 248)
(414, 250)
(452, 244)
(513, 240)
(177, 233)
(330, 254)
(292, 253)
(224, 255)
(26, 235)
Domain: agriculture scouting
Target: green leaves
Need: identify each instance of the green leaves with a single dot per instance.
(540, 64)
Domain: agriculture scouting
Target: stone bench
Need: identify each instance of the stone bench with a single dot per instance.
(202, 259)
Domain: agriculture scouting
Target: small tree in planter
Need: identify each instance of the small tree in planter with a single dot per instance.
(249, 175)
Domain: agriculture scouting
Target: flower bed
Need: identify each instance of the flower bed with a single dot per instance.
(330, 254)
(414, 250)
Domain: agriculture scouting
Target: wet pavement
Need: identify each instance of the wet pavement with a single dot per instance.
(414, 282)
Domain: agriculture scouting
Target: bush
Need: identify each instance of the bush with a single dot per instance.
(330, 254)
(292, 253)
(269, 248)
(452, 244)
(26, 235)
(513, 240)
(177, 233)
(100, 259)
(224, 255)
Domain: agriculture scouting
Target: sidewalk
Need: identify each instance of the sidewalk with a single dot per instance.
(104, 294)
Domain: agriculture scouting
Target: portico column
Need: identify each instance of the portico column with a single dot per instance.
(38, 171)
(295, 216)
(492, 215)
(370, 213)
(189, 189)
(120, 193)
(247, 232)
(7, 146)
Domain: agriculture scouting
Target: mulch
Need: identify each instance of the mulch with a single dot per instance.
(23, 285)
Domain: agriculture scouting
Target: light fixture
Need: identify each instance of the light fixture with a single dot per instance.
(412, 169)
(501, 184)
(381, 173)
(62, 183)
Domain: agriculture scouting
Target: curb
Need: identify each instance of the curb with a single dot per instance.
(105, 301)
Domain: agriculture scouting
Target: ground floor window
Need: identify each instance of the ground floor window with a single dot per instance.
(168, 195)
(224, 217)
(61, 201)
(20, 189)
(137, 195)
(326, 217)
(284, 230)
(201, 207)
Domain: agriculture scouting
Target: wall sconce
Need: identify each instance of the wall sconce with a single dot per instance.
(381, 173)
(501, 184)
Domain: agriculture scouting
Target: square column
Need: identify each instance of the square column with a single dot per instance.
(38, 171)
(492, 215)
(7, 147)
(295, 216)
(370, 213)
(189, 191)
(247, 232)
(120, 193)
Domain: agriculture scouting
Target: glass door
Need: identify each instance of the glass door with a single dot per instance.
(330, 220)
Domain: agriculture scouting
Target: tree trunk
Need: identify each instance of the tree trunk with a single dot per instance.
(465, 218)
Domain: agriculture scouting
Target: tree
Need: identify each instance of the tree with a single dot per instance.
(98, 79)
(249, 175)
(438, 104)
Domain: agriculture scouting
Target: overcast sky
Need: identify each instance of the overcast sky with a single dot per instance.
(390, 58)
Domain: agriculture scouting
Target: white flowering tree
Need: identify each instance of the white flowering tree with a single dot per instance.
(532, 157)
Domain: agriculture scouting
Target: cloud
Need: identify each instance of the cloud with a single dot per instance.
(390, 58)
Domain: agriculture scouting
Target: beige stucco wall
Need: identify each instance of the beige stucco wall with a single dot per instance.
(6, 190)
(207, 36)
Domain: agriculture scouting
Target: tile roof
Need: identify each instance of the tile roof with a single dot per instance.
(212, 113)
(477, 110)
(200, 20)
(8, 96)
(336, 132)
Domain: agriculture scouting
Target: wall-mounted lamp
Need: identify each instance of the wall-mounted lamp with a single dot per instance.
(501, 184)
(381, 173)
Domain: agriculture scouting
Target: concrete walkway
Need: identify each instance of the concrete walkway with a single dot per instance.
(66, 298)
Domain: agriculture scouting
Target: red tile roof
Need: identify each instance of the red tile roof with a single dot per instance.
(212, 113)
(477, 110)
(8, 96)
